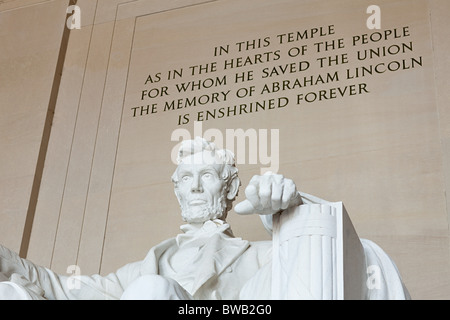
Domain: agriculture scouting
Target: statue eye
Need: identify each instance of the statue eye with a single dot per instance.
(185, 178)
(207, 176)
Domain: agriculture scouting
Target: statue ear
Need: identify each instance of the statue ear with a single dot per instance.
(233, 188)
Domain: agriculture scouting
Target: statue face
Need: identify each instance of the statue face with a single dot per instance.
(200, 188)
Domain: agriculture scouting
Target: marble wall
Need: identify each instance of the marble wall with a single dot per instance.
(351, 114)
(32, 35)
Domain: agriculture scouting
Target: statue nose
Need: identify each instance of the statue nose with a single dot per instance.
(196, 185)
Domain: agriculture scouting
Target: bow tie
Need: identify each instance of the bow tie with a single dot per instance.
(198, 234)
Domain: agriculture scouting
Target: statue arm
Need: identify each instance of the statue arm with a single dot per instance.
(61, 287)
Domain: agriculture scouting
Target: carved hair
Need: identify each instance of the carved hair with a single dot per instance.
(191, 147)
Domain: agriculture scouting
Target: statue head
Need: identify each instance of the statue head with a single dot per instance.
(206, 181)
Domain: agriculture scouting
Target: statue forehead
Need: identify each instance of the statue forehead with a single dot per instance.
(201, 161)
(202, 158)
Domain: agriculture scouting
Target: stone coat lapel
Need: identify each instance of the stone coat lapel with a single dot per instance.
(215, 250)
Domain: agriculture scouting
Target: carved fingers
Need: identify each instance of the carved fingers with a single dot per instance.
(269, 194)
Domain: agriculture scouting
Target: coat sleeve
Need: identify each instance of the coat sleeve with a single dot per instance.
(62, 287)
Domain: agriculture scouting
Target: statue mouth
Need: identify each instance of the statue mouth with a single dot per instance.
(197, 202)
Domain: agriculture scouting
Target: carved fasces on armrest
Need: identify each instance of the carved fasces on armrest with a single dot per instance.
(316, 249)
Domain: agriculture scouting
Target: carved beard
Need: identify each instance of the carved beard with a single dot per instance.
(204, 213)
